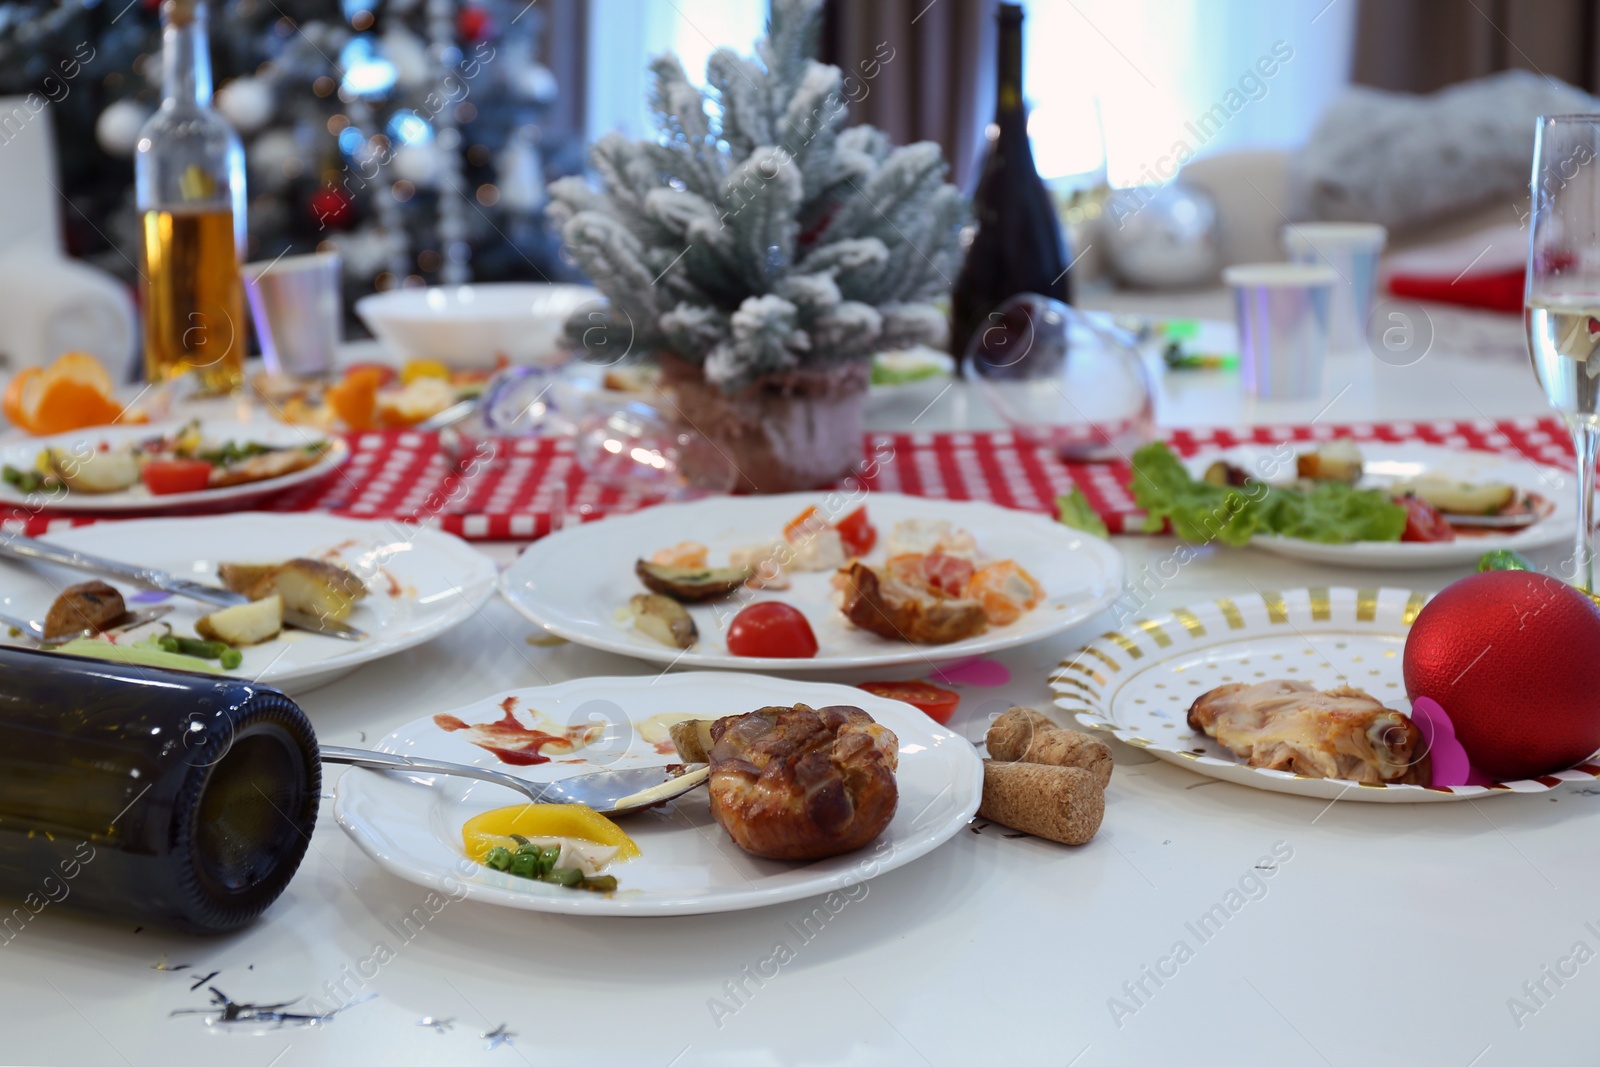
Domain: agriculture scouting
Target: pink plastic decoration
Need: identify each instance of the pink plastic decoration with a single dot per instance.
(1450, 763)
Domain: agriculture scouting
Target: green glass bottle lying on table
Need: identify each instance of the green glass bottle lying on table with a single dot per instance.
(166, 797)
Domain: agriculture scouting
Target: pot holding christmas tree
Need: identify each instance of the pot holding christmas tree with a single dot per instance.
(764, 255)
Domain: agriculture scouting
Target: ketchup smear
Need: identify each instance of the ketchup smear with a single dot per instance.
(507, 738)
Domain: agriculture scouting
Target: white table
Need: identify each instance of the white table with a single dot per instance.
(1393, 934)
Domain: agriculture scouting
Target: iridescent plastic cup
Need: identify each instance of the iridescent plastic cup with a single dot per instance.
(1282, 311)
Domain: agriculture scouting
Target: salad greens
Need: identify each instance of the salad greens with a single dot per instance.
(1329, 512)
(1073, 510)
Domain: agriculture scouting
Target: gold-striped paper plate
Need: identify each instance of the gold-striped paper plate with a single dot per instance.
(1137, 683)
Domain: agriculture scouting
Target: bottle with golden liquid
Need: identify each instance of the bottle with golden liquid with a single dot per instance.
(189, 172)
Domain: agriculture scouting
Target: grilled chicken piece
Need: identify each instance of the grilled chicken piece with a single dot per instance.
(881, 604)
(274, 464)
(801, 783)
(91, 605)
(1343, 733)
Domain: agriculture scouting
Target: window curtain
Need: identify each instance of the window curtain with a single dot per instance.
(564, 49)
(1422, 45)
(920, 70)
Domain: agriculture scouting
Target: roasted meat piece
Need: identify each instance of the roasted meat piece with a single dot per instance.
(801, 783)
(1343, 733)
(879, 603)
(91, 605)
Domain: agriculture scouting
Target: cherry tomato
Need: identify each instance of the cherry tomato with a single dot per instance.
(771, 630)
(857, 532)
(938, 704)
(163, 476)
(1423, 521)
(946, 574)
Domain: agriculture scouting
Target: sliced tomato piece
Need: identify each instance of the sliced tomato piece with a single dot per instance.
(163, 476)
(771, 629)
(1423, 521)
(946, 574)
(857, 532)
(938, 704)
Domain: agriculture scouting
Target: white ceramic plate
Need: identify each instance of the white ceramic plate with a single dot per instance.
(576, 583)
(22, 452)
(421, 582)
(1137, 683)
(687, 865)
(1389, 463)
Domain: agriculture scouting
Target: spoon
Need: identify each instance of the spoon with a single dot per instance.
(33, 630)
(607, 792)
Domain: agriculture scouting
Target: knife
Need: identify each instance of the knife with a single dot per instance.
(27, 548)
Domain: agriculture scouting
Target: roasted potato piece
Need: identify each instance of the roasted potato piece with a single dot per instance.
(1460, 498)
(85, 606)
(243, 624)
(691, 584)
(244, 577)
(692, 739)
(109, 471)
(1337, 461)
(312, 586)
(663, 619)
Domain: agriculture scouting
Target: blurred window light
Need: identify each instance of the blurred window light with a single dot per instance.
(1126, 90)
(625, 35)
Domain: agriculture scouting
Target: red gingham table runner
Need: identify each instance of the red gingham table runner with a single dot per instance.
(530, 487)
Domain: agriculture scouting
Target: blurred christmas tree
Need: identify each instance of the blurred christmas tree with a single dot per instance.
(409, 135)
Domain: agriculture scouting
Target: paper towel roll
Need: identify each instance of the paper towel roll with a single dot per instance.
(50, 304)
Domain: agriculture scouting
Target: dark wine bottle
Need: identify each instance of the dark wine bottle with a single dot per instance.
(1018, 246)
(168, 797)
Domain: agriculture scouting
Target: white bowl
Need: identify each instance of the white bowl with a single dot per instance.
(469, 326)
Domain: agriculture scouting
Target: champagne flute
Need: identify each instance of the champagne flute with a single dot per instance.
(1562, 301)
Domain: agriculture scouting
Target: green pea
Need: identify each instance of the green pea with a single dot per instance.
(231, 659)
(525, 866)
(498, 858)
(549, 856)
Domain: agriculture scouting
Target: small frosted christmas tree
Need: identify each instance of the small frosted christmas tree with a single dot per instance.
(756, 237)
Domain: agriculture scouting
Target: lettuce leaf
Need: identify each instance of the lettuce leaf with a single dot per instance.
(1328, 512)
(1072, 509)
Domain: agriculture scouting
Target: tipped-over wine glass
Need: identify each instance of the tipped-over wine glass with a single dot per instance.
(1562, 302)
(1062, 379)
(621, 443)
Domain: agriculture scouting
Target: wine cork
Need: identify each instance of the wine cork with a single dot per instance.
(1062, 804)
(1028, 736)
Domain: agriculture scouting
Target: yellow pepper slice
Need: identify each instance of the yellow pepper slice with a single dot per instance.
(494, 828)
(423, 368)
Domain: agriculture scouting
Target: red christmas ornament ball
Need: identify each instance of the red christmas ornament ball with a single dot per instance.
(473, 24)
(1514, 659)
(332, 208)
